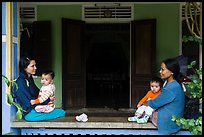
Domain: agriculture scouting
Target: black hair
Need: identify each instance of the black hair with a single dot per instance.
(50, 72)
(158, 80)
(173, 65)
(24, 62)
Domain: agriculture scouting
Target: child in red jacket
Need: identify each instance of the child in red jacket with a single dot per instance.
(155, 86)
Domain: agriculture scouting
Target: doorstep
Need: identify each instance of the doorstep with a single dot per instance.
(94, 122)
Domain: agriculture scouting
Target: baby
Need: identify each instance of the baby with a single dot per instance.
(155, 86)
(46, 91)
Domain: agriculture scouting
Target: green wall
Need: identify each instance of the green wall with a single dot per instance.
(167, 28)
(167, 39)
(55, 13)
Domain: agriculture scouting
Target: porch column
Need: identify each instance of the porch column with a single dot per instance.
(10, 31)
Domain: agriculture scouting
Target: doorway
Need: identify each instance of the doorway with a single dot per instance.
(99, 67)
(107, 65)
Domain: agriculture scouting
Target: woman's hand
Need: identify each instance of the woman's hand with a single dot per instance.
(32, 102)
(52, 98)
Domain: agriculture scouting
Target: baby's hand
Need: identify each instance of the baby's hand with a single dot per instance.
(148, 99)
(138, 106)
(52, 98)
(32, 102)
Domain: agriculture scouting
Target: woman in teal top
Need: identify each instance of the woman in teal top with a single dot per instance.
(171, 99)
(27, 90)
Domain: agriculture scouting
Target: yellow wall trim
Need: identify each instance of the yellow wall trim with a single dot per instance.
(9, 42)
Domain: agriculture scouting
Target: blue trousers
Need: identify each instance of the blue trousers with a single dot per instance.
(33, 115)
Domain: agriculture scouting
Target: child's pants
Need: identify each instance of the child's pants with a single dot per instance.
(44, 108)
(147, 109)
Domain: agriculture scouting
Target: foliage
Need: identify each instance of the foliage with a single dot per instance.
(9, 97)
(195, 86)
(194, 126)
(194, 90)
(9, 133)
(192, 38)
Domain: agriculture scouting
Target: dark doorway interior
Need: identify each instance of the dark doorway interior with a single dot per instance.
(107, 66)
(193, 53)
(34, 42)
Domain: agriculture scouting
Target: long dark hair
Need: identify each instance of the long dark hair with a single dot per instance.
(24, 62)
(173, 65)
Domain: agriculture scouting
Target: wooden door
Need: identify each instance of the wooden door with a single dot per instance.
(73, 66)
(142, 57)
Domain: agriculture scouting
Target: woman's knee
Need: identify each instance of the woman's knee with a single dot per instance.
(60, 111)
(29, 117)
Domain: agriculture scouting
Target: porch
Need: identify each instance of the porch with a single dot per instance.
(110, 122)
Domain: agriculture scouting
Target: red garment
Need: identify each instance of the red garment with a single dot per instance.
(150, 95)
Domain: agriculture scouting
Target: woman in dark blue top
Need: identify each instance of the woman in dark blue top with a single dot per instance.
(27, 90)
(171, 99)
